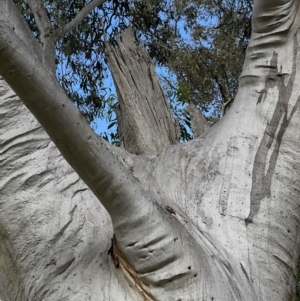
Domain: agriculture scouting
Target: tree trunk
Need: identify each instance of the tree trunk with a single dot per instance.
(213, 219)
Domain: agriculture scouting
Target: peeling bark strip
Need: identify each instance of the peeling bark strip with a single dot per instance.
(262, 177)
(121, 261)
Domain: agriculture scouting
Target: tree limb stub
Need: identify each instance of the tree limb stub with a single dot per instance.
(198, 122)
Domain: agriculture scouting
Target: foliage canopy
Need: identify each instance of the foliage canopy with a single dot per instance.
(201, 44)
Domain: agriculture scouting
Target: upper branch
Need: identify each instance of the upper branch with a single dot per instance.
(61, 31)
(273, 23)
(43, 23)
(41, 92)
(265, 16)
(140, 95)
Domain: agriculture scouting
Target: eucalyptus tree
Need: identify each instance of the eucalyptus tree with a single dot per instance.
(213, 219)
(190, 38)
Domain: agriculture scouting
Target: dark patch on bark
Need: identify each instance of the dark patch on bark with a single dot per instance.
(169, 209)
(77, 191)
(244, 271)
(112, 252)
(263, 168)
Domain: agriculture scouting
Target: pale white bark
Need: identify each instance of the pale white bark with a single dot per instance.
(55, 235)
(234, 192)
(44, 25)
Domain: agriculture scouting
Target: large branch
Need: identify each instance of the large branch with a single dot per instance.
(145, 121)
(42, 94)
(11, 15)
(272, 23)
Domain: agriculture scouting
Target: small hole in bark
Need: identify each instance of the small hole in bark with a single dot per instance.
(189, 267)
(195, 275)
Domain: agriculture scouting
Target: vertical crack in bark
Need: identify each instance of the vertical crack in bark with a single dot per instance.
(264, 164)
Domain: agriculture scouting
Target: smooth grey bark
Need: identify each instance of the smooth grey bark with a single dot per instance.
(214, 219)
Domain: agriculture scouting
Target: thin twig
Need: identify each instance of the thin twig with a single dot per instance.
(61, 31)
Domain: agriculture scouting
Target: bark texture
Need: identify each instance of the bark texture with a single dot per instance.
(214, 219)
(145, 122)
